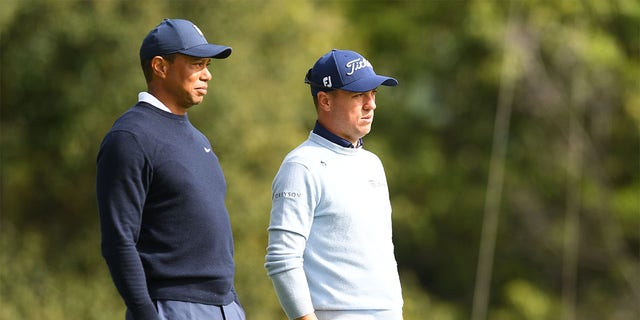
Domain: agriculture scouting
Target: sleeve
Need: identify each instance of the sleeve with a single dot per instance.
(293, 202)
(122, 180)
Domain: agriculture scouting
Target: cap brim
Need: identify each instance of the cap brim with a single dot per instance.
(370, 83)
(208, 51)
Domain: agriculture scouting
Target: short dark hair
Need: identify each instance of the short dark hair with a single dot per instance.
(146, 65)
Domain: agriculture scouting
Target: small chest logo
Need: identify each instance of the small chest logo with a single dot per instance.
(376, 183)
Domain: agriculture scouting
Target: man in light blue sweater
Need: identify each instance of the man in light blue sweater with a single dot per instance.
(330, 252)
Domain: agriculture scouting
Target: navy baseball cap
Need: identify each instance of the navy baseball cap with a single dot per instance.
(346, 70)
(180, 36)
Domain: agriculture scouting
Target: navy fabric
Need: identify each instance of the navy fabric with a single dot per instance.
(180, 36)
(323, 132)
(346, 70)
(165, 228)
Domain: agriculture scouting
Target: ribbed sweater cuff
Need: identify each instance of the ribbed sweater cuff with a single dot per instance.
(293, 292)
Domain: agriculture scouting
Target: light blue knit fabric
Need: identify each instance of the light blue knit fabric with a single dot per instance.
(330, 244)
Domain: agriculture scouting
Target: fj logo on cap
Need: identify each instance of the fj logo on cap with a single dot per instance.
(326, 81)
(357, 64)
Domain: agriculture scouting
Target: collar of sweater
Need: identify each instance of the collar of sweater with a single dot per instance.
(323, 132)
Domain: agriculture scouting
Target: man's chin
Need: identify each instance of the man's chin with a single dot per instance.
(195, 102)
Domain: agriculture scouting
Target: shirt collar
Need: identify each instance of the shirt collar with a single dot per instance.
(323, 132)
(150, 99)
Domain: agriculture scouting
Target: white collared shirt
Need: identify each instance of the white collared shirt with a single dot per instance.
(150, 99)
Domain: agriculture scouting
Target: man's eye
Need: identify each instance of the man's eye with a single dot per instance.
(201, 64)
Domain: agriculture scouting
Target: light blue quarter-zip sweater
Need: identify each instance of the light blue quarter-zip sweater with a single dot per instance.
(330, 244)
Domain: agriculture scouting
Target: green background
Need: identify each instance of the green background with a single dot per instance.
(516, 125)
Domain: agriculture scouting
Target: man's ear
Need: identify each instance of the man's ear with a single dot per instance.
(324, 101)
(159, 66)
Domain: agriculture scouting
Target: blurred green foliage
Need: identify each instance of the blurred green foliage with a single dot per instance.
(69, 68)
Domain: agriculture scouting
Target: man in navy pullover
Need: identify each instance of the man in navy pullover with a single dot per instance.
(166, 235)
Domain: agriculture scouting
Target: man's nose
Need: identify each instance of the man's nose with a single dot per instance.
(205, 75)
(370, 100)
